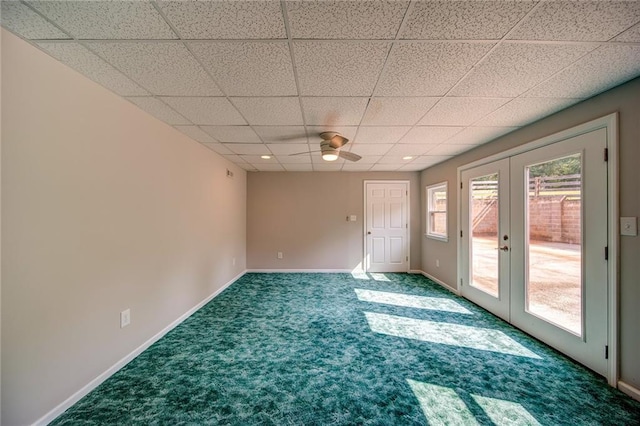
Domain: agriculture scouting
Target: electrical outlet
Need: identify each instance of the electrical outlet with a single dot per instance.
(437, 263)
(279, 255)
(125, 318)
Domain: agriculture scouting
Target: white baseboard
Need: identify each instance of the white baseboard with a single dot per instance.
(629, 390)
(66, 404)
(442, 283)
(415, 271)
(297, 271)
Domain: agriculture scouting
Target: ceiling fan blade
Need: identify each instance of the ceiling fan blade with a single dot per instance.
(338, 141)
(300, 153)
(349, 156)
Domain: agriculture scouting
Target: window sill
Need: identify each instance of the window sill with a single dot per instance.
(437, 238)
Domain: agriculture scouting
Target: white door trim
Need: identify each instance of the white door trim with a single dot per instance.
(364, 220)
(610, 123)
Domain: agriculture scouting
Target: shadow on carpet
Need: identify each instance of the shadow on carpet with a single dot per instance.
(337, 349)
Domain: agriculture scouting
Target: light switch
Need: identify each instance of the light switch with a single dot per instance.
(629, 226)
(352, 218)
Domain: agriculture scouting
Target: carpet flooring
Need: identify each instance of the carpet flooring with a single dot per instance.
(337, 349)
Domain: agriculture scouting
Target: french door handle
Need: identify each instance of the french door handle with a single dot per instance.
(503, 248)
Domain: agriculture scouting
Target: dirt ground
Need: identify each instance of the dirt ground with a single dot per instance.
(554, 288)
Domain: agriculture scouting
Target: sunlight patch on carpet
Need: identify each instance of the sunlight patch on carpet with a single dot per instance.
(411, 301)
(503, 412)
(483, 339)
(378, 276)
(441, 405)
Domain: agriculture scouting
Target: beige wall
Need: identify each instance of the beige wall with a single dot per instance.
(103, 208)
(304, 215)
(624, 99)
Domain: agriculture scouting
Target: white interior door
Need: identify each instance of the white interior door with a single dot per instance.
(386, 226)
(485, 236)
(559, 228)
(534, 233)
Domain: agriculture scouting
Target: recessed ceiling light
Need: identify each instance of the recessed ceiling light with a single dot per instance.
(265, 157)
(408, 157)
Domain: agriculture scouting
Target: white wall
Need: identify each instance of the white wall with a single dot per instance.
(303, 215)
(624, 99)
(103, 208)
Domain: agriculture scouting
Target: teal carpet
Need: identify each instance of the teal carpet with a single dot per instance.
(333, 349)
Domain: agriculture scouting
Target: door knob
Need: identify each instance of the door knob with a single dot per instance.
(368, 232)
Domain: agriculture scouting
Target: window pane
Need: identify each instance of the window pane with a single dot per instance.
(437, 210)
(554, 242)
(484, 233)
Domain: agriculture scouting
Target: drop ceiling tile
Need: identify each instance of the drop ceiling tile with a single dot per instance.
(225, 19)
(602, 69)
(448, 149)
(257, 159)
(479, 135)
(280, 134)
(233, 133)
(248, 148)
(298, 167)
(159, 109)
(235, 158)
(331, 112)
(294, 159)
(631, 35)
(429, 160)
(513, 68)
(90, 65)
(195, 133)
(104, 20)
(461, 111)
(412, 167)
(386, 167)
(393, 159)
(206, 110)
(348, 132)
(396, 111)
(248, 68)
(463, 20)
(327, 167)
(164, 68)
(219, 148)
(429, 135)
(578, 20)
(261, 167)
(345, 19)
(371, 149)
(368, 159)
(339, 68)
(270, 111)
(381, 134)
(401, 150)
(356, 167)
(288, 148)
(23, 21)
(522, 111)
(428, 68)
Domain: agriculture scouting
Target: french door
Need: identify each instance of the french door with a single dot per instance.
(534, 232)
(386, 226)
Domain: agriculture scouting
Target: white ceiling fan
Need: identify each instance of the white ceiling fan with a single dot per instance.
(330, 147)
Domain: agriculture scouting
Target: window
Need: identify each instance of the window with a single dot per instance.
(437, 211)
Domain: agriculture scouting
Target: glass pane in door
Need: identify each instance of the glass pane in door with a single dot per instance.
(484, 233)
(553, 244)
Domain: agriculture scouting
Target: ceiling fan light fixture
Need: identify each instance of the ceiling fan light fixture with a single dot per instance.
(329, 156)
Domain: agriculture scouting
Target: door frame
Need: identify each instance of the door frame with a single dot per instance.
(365, 264)
(610, 123)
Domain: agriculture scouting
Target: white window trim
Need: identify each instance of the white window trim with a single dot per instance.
(428, 234)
